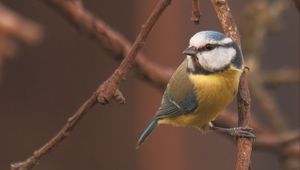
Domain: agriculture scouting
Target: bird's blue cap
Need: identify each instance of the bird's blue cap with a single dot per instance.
(215, 35)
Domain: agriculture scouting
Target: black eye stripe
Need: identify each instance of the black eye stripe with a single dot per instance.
(208, 47)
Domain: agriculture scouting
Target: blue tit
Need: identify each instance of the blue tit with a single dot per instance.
(202, 86)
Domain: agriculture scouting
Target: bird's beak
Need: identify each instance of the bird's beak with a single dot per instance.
(192, 51)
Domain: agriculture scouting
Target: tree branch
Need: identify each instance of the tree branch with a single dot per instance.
(226, 19)
(114, 81)
(267, 14)
(32, 161)
(19, 27)
(244, 145)
(118, 46)
(280, 77)
(195, 11)
(112, 41)
(266, 18)
(277, 141)
(281, 144)
(15, 27)
(109, 87)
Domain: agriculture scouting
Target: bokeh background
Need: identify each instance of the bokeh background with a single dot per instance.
(42, 85)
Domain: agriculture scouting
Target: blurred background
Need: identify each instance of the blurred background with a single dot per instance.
(43, 83)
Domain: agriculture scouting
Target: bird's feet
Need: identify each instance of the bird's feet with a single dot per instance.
(236, 131)
(241, 132)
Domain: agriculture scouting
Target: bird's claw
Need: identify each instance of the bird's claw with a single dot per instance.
(242, 132)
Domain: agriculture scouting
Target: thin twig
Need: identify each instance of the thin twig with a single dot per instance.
(33, 160)
(244, 145)
(285, 145)
(268, 105)
(16, 27)
(125, 66)
(109, 87)
(277, 141)
(267, 14)
(195, 11)
(19, 27)
(280, 77)
(118, 46)
(281, 144)
(113, 42)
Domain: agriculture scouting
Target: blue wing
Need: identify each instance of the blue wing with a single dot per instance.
(179, 98)
(170, 107)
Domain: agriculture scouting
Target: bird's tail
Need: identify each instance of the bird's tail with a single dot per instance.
(152, 125)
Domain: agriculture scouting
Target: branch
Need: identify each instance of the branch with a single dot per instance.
(113, 42)
(266, 19)
(117, 46)
(226, 19)
(286, 145)
(114, 81)
(18, 27)
(33, 160)
(109, 87)
(276, 141)
(13, 26)
(195, 11)
(280, 77)
(267, 15)
(244, 145)
(282, 144)
(268, 105)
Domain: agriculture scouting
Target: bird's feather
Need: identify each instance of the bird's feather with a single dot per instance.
(178, 99)
(180, 96)
(152, 125)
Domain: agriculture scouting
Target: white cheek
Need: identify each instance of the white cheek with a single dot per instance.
(217, 58)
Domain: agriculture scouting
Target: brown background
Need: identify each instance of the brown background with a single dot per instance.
(43, 85)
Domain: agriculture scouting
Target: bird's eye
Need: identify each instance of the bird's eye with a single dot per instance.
(209, 47)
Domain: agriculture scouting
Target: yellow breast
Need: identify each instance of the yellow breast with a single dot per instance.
(214, 92)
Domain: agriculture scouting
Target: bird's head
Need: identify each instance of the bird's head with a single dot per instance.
(211, 52)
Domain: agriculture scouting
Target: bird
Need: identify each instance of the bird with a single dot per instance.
(202, 86)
